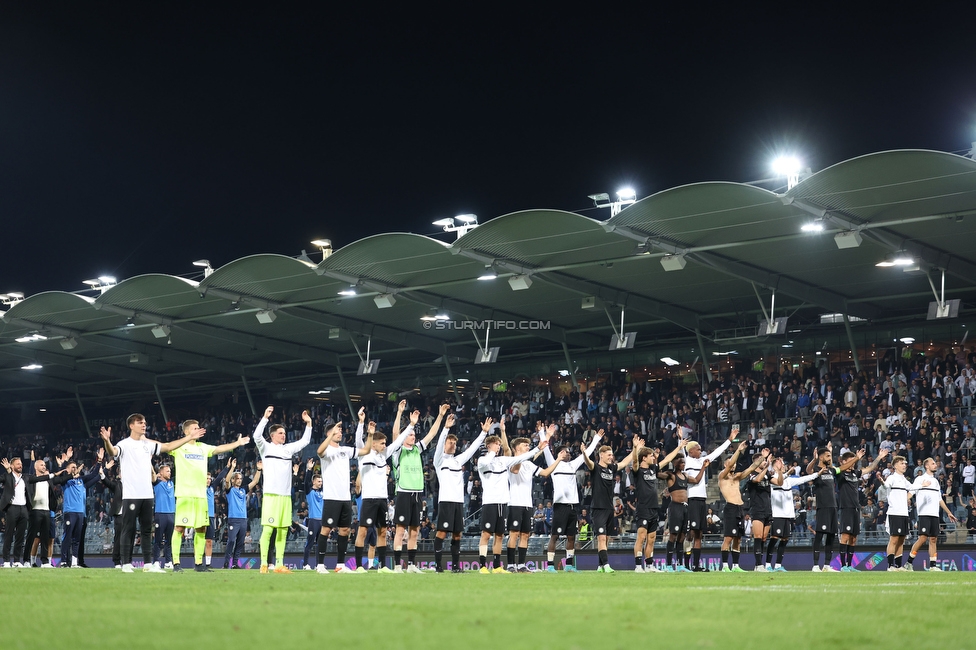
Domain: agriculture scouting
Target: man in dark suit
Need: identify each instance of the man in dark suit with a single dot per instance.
(14, 504)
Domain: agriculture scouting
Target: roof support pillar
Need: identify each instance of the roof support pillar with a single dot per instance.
(247, 391)
(701, 350)
(850, 339)
(450, 374)
(84, 416)
(569, 366)
(342, 381)
(162, 407)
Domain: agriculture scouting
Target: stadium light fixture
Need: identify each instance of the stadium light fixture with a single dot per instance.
(266, 316)
(384, 300)
(813, 226)
(673, 262)
(460, 224)
(520, 282)
(789, 167)
(669, 361)
(351, 291)
(625, 196)
(324, 245)
(898, 258)
(205, 265)
(69, 343)
(32, 366)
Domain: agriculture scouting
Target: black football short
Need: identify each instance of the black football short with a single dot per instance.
(928, 525)
(826, 521)
(520, 519)
(373, 512)
(336, 514)
(733, 521)
(850, 521)
(601, 521)
(677, 517)
(564, 519)
(697, 513)
(450, 517)
(406, 512)
(493, 518)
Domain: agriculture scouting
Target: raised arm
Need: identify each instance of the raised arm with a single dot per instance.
(626, 460)
(166, 447)
(586, 456)
(365, 449)
(874, 464)
(674, 453)
(506, 450)
(257, 476)
(441, 412)
(563, 455)
(851, 462)
(399, 417)
(259, 440)
(718, 450)
(233, 468)
(701, 473)
(360, 428)
(110, 449)
(295, 447)
(441, 439)
(332, 434)
(547, 452)
(735, 457)
(475, 445)
(240, 442)
(756, 464)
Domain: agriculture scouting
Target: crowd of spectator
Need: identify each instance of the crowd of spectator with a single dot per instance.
(916, 406)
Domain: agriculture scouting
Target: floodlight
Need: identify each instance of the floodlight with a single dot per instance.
(266, 316)
(467, 218)
(589, 302)
(669, 361)
(32, 366)
(351, 291)
(106, 279)
(603, 196)
(69, 343)
(786, 166)
(322, 243)
(625, 193)
(333, 333)
(907, 340)
(202, 263)
(812, 226)
(444, 223)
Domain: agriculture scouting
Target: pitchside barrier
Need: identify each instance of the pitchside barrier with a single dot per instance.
(865, 559)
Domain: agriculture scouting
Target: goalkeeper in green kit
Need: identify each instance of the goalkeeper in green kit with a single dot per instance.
(191, 492)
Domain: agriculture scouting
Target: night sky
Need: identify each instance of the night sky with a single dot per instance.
(138, 137)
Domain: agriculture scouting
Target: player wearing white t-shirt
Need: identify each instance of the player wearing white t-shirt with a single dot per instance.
(450, 494)
(276, 509)
(698, 492)
(899, 490)
(784, 512)
(336, 495)
(136, 472)
(494, 469)
(565, 501)
(520, 506)
(928, 502)
(374, 509)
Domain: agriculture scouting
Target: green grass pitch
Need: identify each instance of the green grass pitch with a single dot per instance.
(243, 609)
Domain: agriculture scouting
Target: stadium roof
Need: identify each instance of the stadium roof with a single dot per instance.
(162, 334)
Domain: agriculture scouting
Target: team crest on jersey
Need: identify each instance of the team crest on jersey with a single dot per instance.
(270, 520)
(186, 520)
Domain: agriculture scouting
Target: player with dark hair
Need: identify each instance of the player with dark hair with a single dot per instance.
(760, 510)
(449, 466)
(733, 518)
(678, 482)
(698, 492)
(134, 454)
(645, 469)
(850, 504)
(276, 511)
(565, 501)
(784, 511)
(825, 527)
